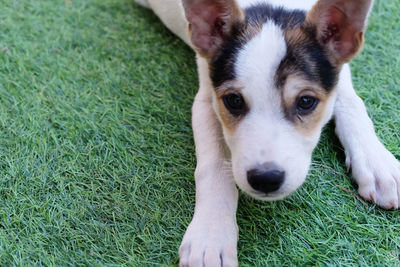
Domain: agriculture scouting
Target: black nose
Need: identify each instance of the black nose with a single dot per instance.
(266, 178)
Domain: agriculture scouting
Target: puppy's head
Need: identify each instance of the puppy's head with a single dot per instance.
(274, 73)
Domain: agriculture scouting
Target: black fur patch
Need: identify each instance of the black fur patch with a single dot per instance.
(286, 19)
(222, 66)
(306, 58)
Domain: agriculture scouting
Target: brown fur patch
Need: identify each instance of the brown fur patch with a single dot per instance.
(222, 65)
(297, 87)
(306, 62)
(229, 120)
(244, 33)
(306, 57)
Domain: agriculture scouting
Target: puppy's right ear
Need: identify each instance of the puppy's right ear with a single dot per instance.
(340, 26)
(211, 23)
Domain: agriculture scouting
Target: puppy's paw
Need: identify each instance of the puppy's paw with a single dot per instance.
(209, 242)
(377, 173)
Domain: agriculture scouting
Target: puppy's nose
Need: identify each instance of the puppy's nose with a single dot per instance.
(266, 178)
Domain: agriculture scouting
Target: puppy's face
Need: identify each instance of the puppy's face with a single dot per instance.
(273, 106)
(274, 72)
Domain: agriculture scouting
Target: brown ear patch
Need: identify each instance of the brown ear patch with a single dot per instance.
(340, 36)
(340, 26)
(211, 23)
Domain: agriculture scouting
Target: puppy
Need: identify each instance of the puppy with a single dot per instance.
(272, 73)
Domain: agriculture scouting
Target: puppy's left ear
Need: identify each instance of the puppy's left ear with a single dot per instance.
(211, 23)
(340, 26)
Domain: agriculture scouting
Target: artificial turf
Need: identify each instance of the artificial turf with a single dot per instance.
(97, 156)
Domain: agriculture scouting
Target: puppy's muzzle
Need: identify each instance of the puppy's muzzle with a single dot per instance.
(266, 178)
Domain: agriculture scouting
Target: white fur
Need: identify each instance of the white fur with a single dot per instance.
(172, 15)
(212, 234)
(259, 59)
(265, 135)
(374, 168)
(143, 3)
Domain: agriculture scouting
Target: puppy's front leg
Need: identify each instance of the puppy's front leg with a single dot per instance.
(211, 237)
(374, 168)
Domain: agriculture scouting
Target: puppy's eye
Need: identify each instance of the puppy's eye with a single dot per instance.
(306, 104)
(235, 104)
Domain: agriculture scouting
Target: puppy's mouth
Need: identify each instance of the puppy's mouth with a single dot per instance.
(268, 196)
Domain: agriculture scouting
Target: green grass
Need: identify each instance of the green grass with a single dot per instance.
(97, 156)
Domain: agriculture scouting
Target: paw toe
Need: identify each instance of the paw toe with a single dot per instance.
(184, 251)
(229, 258)
(196, 259)
(212, 258)
(368, 193)
(388, 192)
(388, 205)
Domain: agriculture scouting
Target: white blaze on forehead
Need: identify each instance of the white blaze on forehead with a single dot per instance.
(259, 59)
